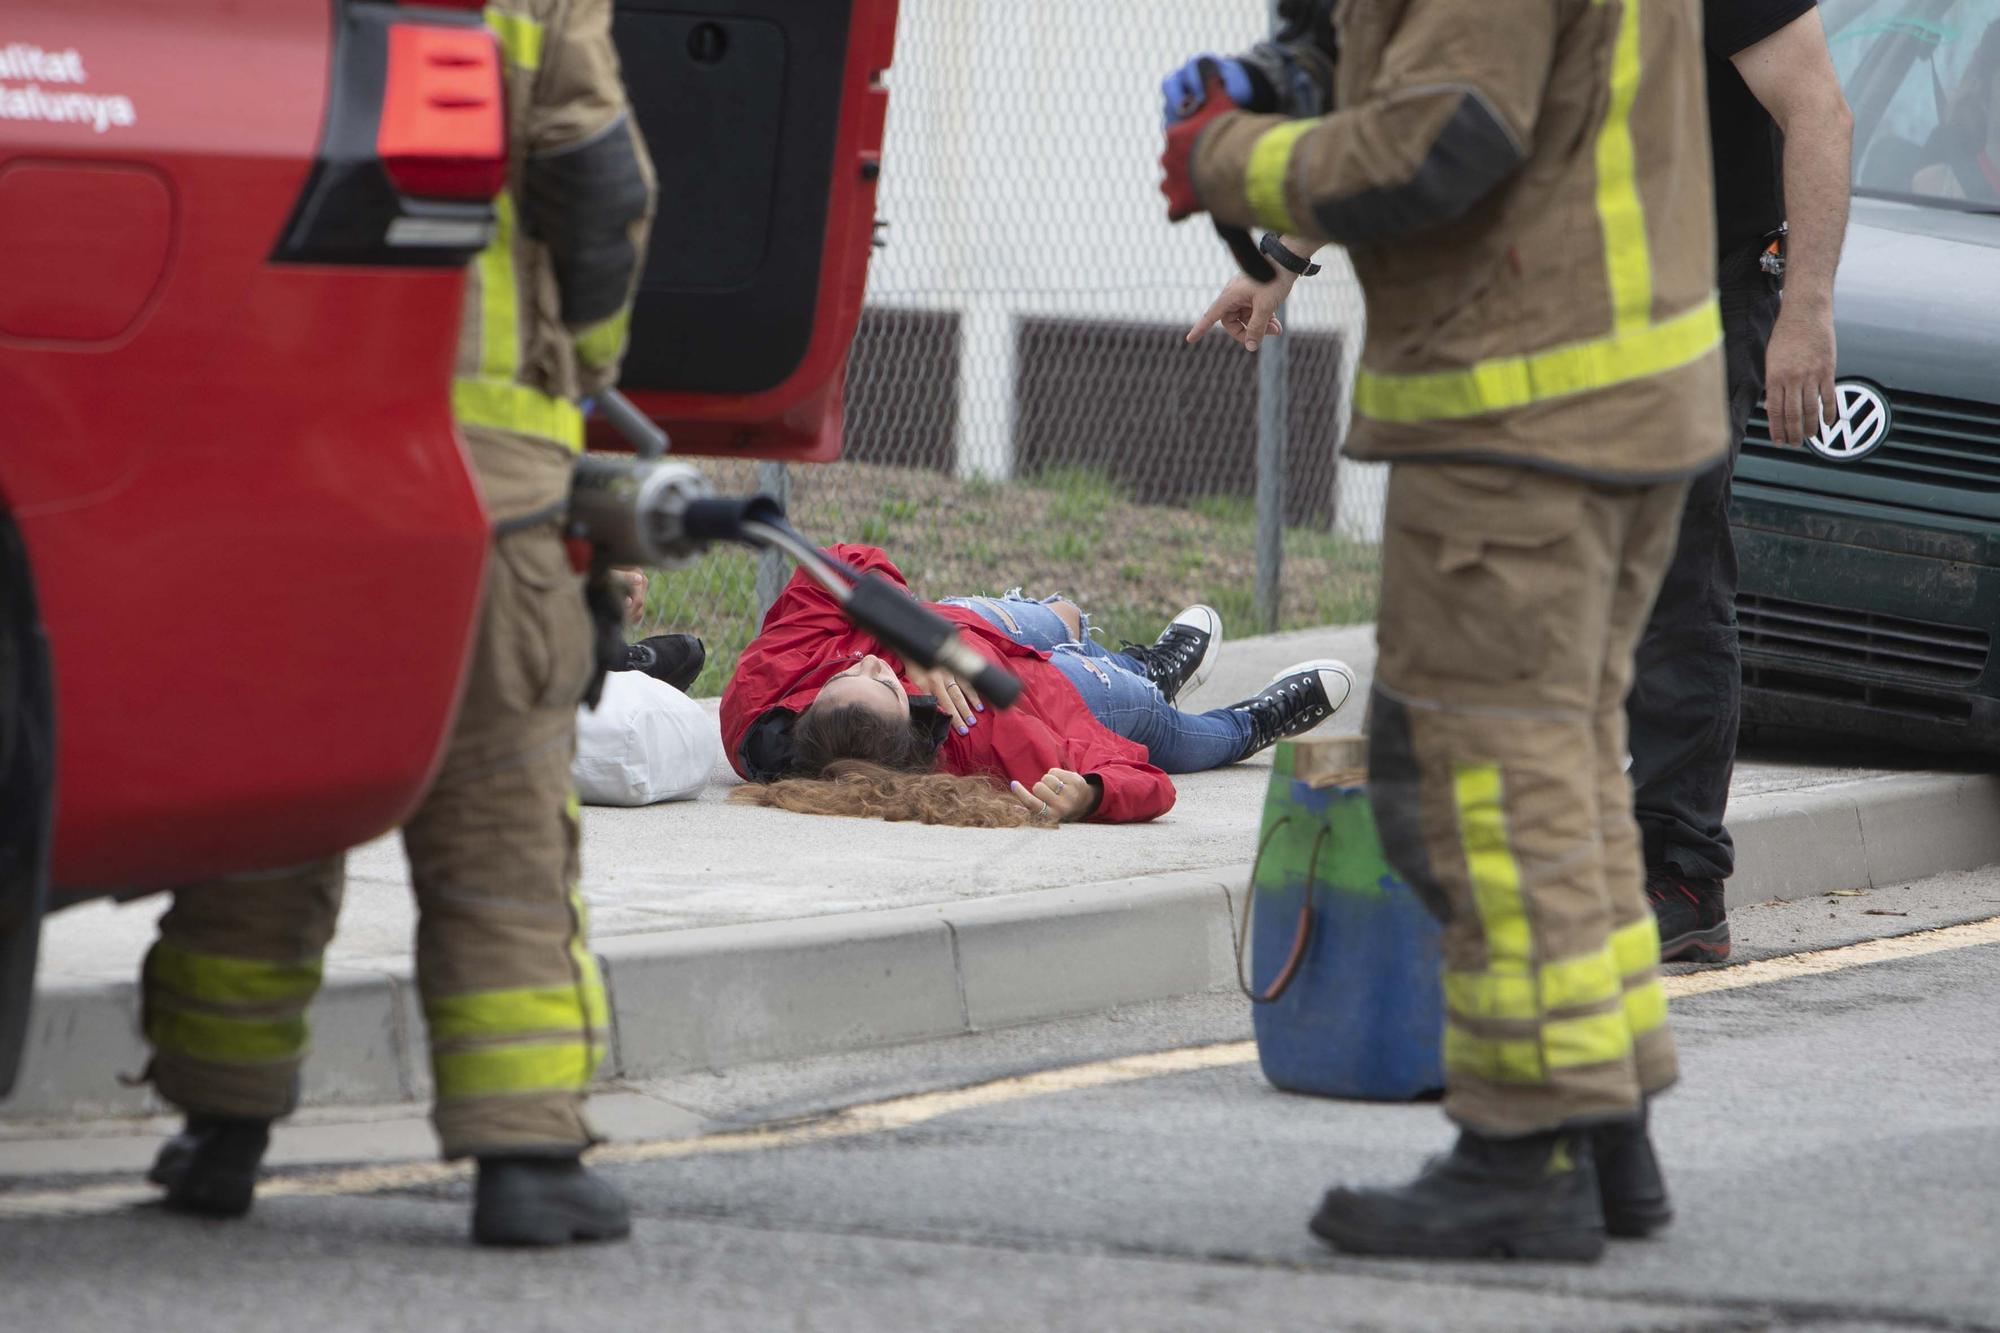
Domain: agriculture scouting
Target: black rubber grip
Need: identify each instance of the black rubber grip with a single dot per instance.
(921, 636)
(1248, 257)
(721, 518)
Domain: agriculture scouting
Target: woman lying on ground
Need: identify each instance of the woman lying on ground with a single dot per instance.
(827, 721)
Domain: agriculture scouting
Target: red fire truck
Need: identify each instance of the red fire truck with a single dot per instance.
(240, 548)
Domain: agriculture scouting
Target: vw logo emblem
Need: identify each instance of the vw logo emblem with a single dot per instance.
(1861, 428)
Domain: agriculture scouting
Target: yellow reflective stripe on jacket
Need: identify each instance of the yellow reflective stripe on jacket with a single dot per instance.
(1575, 983)
(216, 979)
(520, 38)
(1270, 165)
(600, 344)
(521, 1012)
(516, 407)
(1628, 264)
(486, 1071)
(499, 298)
(1484, 995)
(223, 1039)
(1516, 381)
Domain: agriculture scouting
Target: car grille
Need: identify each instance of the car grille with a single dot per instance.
(1913, 650)
(1949, 442)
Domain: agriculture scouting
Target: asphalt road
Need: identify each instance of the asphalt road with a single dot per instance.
(1833, 1148)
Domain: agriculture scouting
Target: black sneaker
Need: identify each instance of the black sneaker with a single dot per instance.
(1300, 698)
(1179, 660)
(674, 658)
(1694, 922)
(210, 1167)
(545, 1201)
(1526, 1198)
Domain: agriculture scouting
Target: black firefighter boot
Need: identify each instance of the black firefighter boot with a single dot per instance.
(210, 1167)
(1629, 1183)
(545, 1201)
(1525, 1198)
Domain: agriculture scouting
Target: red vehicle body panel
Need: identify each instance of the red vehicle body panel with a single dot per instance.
(252, 526)
(801, 419)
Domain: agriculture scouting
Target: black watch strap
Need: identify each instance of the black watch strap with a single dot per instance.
(1280, 254)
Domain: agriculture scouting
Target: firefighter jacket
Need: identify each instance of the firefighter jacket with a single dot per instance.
(1524, 189)
(549, 300)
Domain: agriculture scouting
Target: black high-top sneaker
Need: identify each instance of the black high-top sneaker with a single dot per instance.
(674, 658)
(545, 1201)
(1629, 1184)
(1694, 921)
(1300, 698)
(210, 1167)
(1179, 660)
(1526, 1198)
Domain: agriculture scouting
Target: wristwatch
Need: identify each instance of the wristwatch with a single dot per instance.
(1278, 253)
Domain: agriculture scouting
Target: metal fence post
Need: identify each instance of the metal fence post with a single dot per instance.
(1273, 424)
(1273, 403)
(774, 480)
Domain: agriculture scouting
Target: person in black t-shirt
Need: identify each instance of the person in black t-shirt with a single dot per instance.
(1783, 137)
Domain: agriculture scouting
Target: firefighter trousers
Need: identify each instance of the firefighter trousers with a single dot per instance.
(1512, 603)
(512, 998)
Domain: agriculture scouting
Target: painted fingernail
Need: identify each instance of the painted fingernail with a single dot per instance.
(963, 729)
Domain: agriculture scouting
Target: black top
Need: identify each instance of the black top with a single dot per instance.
(1749, 153)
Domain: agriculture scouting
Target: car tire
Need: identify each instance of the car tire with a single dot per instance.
(27, 794)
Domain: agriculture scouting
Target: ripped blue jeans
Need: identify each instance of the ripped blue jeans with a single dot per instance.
(1114, 687)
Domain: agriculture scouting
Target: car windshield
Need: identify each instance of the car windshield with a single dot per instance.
(1923, 77)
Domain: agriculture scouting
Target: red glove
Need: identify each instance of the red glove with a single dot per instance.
(1178, 159)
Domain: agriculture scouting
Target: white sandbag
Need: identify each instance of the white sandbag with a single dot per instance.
(644, 742)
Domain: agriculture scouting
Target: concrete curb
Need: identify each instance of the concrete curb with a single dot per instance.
(723, 996)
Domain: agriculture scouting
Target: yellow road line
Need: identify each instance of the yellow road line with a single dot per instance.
(918, 1108)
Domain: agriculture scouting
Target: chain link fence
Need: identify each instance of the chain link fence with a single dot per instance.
(1022, 409)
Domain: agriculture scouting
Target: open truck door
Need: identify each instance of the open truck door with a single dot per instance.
(764, 118)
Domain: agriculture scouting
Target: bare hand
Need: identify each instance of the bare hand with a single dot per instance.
(1061, 794)
(1245, 306)
(631, 584)
(956, 697)
(1798, 375)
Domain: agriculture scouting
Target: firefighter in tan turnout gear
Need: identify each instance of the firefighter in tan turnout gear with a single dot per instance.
(512, 999)
(1523, 187)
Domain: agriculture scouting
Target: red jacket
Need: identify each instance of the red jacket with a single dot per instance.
(806, 640)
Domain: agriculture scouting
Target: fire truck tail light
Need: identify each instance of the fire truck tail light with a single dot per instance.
(443, 133)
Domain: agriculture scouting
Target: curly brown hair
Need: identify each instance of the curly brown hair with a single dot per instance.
(856, 763)
(861, 790)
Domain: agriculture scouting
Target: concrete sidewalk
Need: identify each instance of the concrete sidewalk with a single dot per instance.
(732, 934)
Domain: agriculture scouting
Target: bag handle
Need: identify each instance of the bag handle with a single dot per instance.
(1301, 937)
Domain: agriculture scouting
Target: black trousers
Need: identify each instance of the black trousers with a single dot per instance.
(1687, 694)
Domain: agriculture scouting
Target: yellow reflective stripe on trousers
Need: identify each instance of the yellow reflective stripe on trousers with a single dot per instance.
(1628, 264)
(1489, 859)
(1568, 983)
(215, 979)
(223, 1039)
(488, 1071)
(1270, 165)
(1646, 1007)
(520, 38)
(1596, 1040)
(1495, 1059)
(524, 1011)
(1637, 946)
(1516, 381)
(600, 344)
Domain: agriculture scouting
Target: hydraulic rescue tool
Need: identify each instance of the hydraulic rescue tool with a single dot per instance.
(650, 510)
